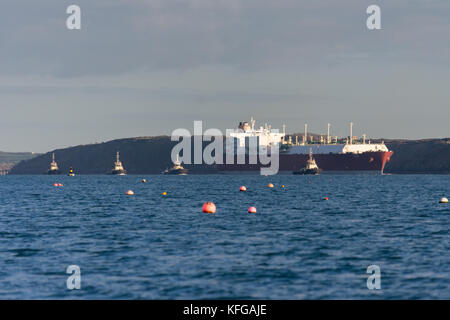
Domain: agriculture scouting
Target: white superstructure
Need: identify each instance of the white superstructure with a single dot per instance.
(264, 136)
(53, 164)
(311, 163)
(118, 167)
(118, 164)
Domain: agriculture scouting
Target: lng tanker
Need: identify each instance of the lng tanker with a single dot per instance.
(349, 154)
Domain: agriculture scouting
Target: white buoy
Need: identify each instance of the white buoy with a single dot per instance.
(129, 193)
(443, 200)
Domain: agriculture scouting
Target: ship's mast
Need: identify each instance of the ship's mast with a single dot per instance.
(305, 137)
(364, 138)
(117, 156)
(351, 132)
(328, 134)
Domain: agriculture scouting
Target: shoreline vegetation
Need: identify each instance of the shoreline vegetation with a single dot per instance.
(151, 155)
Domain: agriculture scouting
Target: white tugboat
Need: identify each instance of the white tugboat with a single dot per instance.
(176, 169)
(118, 167)
(311, 166)
(54, 169)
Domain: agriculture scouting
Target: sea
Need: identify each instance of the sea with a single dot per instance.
(376, 237)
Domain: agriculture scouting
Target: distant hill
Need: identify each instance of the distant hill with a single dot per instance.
(9, 159)
(139, 156)
(419, 156)
(150, 155)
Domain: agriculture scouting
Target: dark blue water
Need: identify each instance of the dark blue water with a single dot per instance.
(297, 246)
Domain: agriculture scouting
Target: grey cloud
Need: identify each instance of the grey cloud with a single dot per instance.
(122, 36)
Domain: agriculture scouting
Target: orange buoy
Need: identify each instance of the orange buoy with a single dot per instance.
(209, 207)
(252, 210)
(56, 185)
(129, 193)
(164, 193)
(326, 198)
(282, 185)
(270, 185)
(243, 189)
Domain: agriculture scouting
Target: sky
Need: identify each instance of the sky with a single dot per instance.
(142, 68)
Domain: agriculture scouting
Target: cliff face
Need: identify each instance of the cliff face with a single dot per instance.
(151, 155)
(419, 156)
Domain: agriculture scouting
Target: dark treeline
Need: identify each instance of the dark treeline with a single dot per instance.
(419, 156)
(152, 155)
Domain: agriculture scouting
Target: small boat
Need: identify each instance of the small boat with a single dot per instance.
(118, 167)
(71, 173)
(311, 166)
(176, 169)
(54, 169)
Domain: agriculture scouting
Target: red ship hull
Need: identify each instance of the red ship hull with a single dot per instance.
(367, 161)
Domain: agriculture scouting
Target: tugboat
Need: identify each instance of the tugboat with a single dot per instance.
(311, 166)
(71, 173)
(176, 169)
(118, 167)
(53, 166)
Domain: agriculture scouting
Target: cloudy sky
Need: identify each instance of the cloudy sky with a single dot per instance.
(146, 67)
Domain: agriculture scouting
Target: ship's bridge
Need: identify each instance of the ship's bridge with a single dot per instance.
(264, 136)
